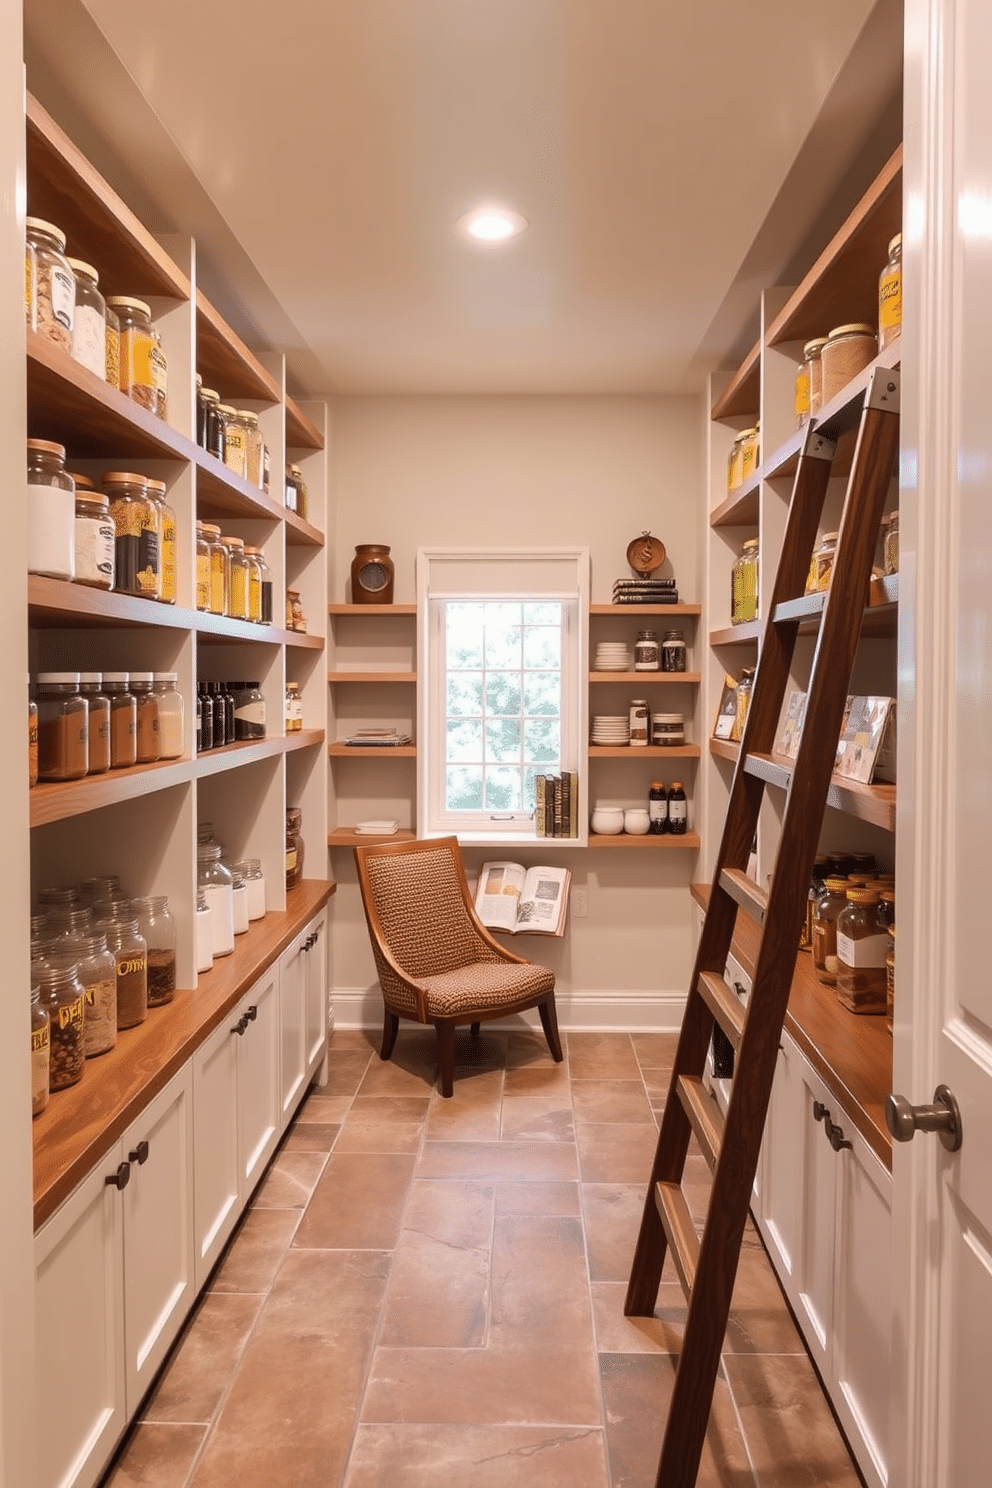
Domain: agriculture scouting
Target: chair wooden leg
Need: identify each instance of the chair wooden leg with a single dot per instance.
(549, 1022)
(390, 1028)
(474, 1030)
(446, 1055)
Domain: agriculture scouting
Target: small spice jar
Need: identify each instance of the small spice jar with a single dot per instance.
(131, 966)
(235, 439)
(55, 284)
(167, 539)
(63, 727)
(98, 974)
(250, 870)
(846, 352)
(890, 544)
(170, 714)
(148, 737)
(40, 1052)
(123, 720)
(249, 712)
(822, 564)
(640, 721)
(137, 556)
(890, 295)
(98, 703)
(862, 946)
(112, 370)
(216, 885)
(61, 994)
(826, 908)
(158, 929)
(95, 538)
(89, 322)
(673, 651)
(295, 849)
(237, 604)
(646, 654)
(202, 569)
(51, 511)
(137, 376)
(668, 730)
(294, 708)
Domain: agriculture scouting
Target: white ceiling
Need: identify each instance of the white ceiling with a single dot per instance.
(648, 142)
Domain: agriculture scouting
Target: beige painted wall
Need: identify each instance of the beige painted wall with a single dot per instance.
(594, 471)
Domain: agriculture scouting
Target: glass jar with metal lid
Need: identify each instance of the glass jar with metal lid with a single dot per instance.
(250, 871)
(219, 575)
(157, 490)
(239, 898)
(235, 439)
(646, 654)
(55, 283)
(294, 708)
(212, 425)
(95, 539)
(735, 462)
(254, 444)
(673, 651)
(30, 285)
(158, 929)
(668, 730)
(98, 974)
(846, 352)
(170, 714)
(89, 322)
(237, 602)
(112, 373)
(215, 883)
(98, 703)
(809, 381)
(745, 583)
(295, 848)
(890, 295)
(296, 491)
(822, 564)
(51, 511)
(123, 720)
(137, 556)
(63, 727)
(62, 994)
(159, 364)
(249, 711)
(131, 965)
(40, 1052)
(750, 452)
(202, 569)
(826, 907)
(862, 944)
(137, 378)
(265, 583)
(149, 743)
(252, 559)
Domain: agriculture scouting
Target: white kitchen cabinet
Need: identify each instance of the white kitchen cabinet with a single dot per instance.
(302, 1013)
(113, 1283)
(258, 1080)
(316, 994)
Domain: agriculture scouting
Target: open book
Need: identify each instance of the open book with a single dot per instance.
(523, 901)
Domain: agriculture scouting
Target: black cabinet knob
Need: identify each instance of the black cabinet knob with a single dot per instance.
(140, 1154)
(121, 1178)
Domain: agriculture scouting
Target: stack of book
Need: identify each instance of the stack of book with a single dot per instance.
(645, 591)
(385, 738)
(556, 810)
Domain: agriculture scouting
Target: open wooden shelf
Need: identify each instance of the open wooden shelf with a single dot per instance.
(371, 609)
(870, 803)
(348, 837)
(744, 634)
(741, 397)
(52, 801)
(57, 603)
(301, 432)
(727, 749)
(688, 840)
(683, 611)
(338, 750)
(643, 751)
(226, 363)
(339, 678)
(651, 679)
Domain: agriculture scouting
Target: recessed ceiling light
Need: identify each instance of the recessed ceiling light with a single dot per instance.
(492, 224)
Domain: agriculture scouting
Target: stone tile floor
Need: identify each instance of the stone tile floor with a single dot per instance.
(429, 1291)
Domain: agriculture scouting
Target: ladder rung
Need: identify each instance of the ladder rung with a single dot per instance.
(745, 892)
(704, 1115)
(724, 1004)
(682, 1238)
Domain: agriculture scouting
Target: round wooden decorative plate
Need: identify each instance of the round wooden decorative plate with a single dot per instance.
(645, 554)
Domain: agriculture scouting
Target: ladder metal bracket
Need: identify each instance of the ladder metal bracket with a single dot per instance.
(818, 447)
(883, 390)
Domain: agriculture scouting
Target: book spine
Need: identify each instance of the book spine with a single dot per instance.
(540, 782)
(549, 805)
(566, 803)
(559, 791)
(573, 815)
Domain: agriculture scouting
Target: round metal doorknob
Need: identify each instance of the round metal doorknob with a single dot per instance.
(943, 1117)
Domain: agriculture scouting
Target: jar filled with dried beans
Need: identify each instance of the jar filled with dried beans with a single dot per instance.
(137, 555)
(61, 994)
(98, 974)
(158, 928)
(131, 967)
(55, 283)
(137, 376)
(40, 1052)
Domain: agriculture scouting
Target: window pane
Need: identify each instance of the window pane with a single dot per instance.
(503, 693)
(542, 612)
(503, 789)
(503, 740)
(463, 634)
(542, 740)
(464, 740)
(463, 790)
(503, 644)
(542, 693)
(542, 646)
(465, 694)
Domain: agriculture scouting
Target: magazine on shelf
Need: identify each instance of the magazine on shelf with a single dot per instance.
(384, 738)
(726, 716)
(522, 901)
(787, 743)
(867, 748)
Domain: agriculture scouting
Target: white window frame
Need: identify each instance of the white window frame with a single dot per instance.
(534, 574)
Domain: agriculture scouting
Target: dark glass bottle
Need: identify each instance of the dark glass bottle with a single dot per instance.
(658, 808)
(206, 718)
(229, 729)
(678, 823)
(216, 690)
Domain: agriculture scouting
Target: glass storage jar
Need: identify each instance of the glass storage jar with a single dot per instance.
(750, 452)
(98, 974)
(668, 730)
(249, 712)
(123, 720)
(640, 722)
(137, 556)
(170, 714)
(744, 579)
(265, 580)
(61, 994)
(158, 929)
(846, 352)
(646, 654)
(673, 651)
(202, 569)
(131, 965)
(137, 377)
(678, 810)
(216, 885)
(822, 564)
(250, 870)
(809, 381)
(51, 511)
(204, 946)
(98, 703)
(890, 295)
(826, 908)
(218, 570)
(213, 428)
(63, 727)
(95, 539)
(40, 1052)
(148, 737)
(295, 849)
(157, 491)
(55, 284)
(32, 740)
(237, 603)
(742, 702)
(112, 372)
(735, 463)
(89, 320)
(159, 364)
(252, 556)
(253, 448)
(239, 899)
(30, 285)
(91, 890)
(296, 491)
(295, 617)
(235, 439)
(658, 808)
(890, 546)
(862, 944)
(294, 708)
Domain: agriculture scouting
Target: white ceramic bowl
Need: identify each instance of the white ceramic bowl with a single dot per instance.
(607, 821)
(636, 821)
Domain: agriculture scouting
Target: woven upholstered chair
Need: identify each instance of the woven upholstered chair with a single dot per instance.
(436, 962)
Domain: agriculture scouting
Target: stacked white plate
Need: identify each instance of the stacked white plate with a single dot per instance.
(610, 728)
(613, 656)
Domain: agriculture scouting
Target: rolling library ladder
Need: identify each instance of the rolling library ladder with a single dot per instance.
(707, 1263)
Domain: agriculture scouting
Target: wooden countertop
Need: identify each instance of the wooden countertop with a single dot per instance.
(852, 1052)
(82, 1123)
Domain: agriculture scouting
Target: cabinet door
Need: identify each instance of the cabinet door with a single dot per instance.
(216, 1166)
(158, 1231)
(780, 1168)
(817, 1185)
(79, 1331)
(258, 1089)
(315, 972)
(292, 1026)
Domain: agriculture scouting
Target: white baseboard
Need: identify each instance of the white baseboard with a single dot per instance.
(578, 1012)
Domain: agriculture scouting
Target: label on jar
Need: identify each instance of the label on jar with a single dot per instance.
(802, 395)
(89, 340)
(70, 1014)
(678, 811)
(824, 941)
(871, 951)
(149, 560)
(63, 290)
(95, 547)
(203, 581)
(890, 301)
(251, 712)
